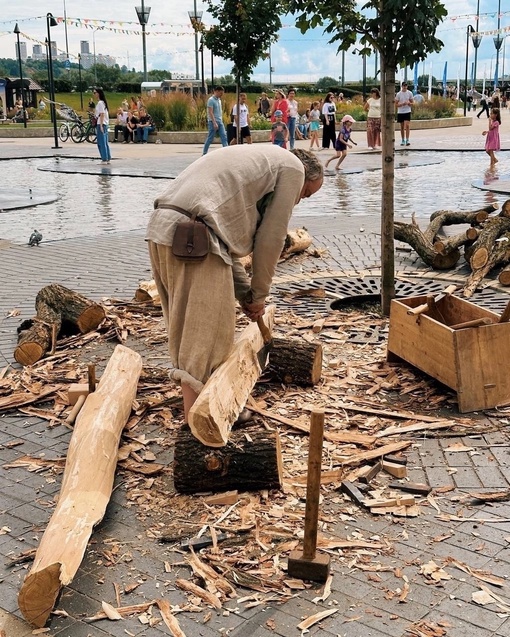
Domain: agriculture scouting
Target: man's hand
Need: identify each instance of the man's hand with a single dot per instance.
(253, 310)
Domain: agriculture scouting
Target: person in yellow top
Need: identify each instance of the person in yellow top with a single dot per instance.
(373, 109)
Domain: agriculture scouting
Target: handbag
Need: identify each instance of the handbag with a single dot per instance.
(191, 238)
(93, 121)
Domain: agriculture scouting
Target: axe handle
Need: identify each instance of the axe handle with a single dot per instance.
(264, 330)
(419, 309)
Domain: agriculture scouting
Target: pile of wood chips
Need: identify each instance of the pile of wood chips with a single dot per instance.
(236, 540)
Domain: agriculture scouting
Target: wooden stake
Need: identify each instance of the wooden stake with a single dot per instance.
(91, 372)
(307, 564)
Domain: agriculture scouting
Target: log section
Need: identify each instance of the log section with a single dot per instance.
(292, 361)
(86, 485)
(250, 461)
(55, 306)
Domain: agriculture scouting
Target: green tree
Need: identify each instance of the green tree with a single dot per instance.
(244, 31)
(403, 32)
(323, 83)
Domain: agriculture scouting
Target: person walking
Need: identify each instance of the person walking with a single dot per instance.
(315, 124)
(280, 104)
(492, 141)
(485, 105)
(404, 102)
(215, 123)
(243, 121)
(103, 121)
(244, 196)
(279, 130)
(328, 121)
(373, 110)
(343, 141)
(293, 116)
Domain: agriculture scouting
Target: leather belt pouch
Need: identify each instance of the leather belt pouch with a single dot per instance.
(191, 241)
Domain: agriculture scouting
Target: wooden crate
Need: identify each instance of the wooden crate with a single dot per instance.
(474, 361)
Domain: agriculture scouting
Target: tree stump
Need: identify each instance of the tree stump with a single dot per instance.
(295, 362)
(250, 461)
(57, 307)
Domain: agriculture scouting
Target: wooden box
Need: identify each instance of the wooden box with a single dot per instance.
(475, 362)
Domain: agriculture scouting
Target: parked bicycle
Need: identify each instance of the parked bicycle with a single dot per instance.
(81, 132)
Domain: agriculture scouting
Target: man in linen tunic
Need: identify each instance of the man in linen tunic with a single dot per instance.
(245, 196)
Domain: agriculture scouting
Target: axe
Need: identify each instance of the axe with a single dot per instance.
(263, 353)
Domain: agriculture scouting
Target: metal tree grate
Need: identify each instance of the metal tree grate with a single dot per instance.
(326, 294)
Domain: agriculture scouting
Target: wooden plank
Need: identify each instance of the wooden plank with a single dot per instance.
(86, 485)
(411, 487)
(225, 394)
(375, 453)
(370, 475)
(396, 470)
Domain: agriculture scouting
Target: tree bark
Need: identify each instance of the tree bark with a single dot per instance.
(504, 276)
(56, 306)
(250, 461)
(482, 248)
(295, 362)
(500, 253)
(86, 485)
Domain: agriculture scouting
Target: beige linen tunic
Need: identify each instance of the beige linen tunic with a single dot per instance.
(245, 195)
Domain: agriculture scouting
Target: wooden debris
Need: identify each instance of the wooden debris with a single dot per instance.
(169, 618)
(411, 487)
(209, 598)
(314, 619)
(394, 469)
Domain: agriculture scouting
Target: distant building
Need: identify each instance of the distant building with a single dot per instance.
(22, 50)
(84, 47)
(38, 53)
(89, 59)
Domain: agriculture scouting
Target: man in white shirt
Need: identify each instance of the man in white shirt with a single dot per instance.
(403, 102)
(245, 121)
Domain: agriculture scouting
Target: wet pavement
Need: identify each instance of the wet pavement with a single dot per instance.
(111, 264)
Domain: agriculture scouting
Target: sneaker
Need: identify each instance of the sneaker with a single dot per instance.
(403, 142)
(408, 143)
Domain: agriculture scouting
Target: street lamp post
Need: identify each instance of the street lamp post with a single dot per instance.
(16, 31)
(498, 41)
(79, 79)
(196, 20)
(51, 22)
(143, 14)
(469, 32)
(202, 64)
(477, 39)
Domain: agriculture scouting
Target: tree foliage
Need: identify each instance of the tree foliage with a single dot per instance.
(243, 32)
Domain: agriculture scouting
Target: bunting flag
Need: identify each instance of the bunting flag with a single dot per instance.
(444, 78)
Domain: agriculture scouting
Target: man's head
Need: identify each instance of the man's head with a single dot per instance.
(218, 91)
(242, 97)
(404, 86)
(314, 172)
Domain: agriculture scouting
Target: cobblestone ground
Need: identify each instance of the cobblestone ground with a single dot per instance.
(478, 536)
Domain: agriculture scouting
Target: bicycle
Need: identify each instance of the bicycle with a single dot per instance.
(70, 116)
(81, 132)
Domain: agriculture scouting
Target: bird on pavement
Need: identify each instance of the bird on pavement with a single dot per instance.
(35, 238)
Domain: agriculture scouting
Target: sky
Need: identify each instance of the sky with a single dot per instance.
(170, 42)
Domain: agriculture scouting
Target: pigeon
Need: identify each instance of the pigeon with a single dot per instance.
(35, 238)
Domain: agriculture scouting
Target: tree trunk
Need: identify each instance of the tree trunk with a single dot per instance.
(411, 234)
(250, 461)
(86, 485)
(56, 306)
(441, 218)
(448, 244)
(295, 362)
(492, 229)
(388, 181)
(500, 253)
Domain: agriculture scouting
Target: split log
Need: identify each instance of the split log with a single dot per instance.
(292, 361)
(57, 307)
(148, 291)
(250, 461)
(86, 485)
(225, 394)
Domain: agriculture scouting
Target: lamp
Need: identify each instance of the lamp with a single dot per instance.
(498, 41)
(477, 40)
(469, 32)
(79, 79)
(202, 63)
(51, 22)
(143, 14)
(196, 21)
(16, 31)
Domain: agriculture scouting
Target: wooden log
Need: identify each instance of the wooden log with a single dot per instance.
(250, 461)
(225, 394)
(447, 244)
(295, 362)
(411, 234)
(86, 485)
(484, 245)
(504, 276)
(500, 253)
(297, 240)
(442, 218)
(56, 307)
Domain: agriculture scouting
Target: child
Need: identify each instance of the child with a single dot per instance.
(315, 124)
(492, 135)
(343, 141)
(279, 130)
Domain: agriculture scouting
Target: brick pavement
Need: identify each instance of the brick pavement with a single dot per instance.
(112, 265)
